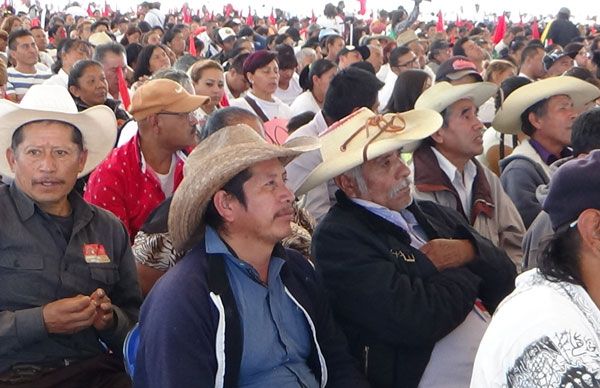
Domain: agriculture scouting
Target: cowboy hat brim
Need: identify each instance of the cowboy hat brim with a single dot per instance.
(98, 127)
(508, 117)
(421, 124)
(443, 94)
(210, 172)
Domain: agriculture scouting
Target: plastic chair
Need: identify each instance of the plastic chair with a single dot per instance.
(130, 346)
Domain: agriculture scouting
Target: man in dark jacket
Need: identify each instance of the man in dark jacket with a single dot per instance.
(562, 31)
(239, 309)
(411, 283)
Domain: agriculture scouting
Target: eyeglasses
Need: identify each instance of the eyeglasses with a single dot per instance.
(409, 63)
(189, 115)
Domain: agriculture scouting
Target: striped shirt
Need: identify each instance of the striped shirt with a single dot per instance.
(18, 83)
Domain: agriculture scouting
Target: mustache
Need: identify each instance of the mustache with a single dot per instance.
(399, 187)
(286, 211)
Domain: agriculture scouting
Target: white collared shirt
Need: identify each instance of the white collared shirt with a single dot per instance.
(404, 219)
(463, 183)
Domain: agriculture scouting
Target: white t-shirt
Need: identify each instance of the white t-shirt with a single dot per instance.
(271, 109)
(305, 103)
(289, 95)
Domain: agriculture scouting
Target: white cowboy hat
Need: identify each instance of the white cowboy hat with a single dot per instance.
(214, 162)
(508, 117)
(364, 136)
(99, 38)
(98, 125)
(443, 94)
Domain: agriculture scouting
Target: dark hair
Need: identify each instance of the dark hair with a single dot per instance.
(364, 65)
(142, 67)
(170, 35)
(560, 259)
(407, 89)
(225, 117)
(65, 46)
(235, 187)
(583, 74)
(13, 36)
(111, 47)
(130, 31)
(237, 63)
(351, 88)
(132, 52)
(585, 133)
(539, 108)
(280, 38)
(396, 53)
(508, 86)
(299, 120)
(330, 10)
(529, 51)
(79, 68)
(458, 47)
(317, 68)
(17, 137)
(98, 24)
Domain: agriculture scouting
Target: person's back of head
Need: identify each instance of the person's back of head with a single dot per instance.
(229, 116)
(106, 48)
(349, 90)
(585, 132)
(458, 47)
(508, 86)
(179, 76)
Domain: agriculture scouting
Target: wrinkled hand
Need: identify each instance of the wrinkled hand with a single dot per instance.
(69, 315)
(104, 310)
(447, 253)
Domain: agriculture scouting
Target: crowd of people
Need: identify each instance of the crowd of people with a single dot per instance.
(219, 200)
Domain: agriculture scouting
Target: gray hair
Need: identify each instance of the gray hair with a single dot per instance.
(177, 76)
(356, 173)
(306, 52)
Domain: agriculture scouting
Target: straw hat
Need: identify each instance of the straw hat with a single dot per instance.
(406, 37)
(215, 161)
(508, 118)
(97, 124)
(364, 136)
(99, 38)
(443, 94)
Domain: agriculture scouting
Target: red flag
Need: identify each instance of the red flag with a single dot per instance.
(35, 22)
(187, 17)
(192, 45)
(224, 101)
(439, 27)
(228, 9)
(363, 7)
(459, 22)
(123, 92)
(272, 20)
(500, 29)
(250, 19)
(313, 18)
(107, 11)
(535, 31)
(90, 11)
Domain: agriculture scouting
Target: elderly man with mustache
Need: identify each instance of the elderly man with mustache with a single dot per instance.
(411, 281)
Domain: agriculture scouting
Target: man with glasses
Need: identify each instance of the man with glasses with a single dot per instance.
(401, 59)
(138, 176)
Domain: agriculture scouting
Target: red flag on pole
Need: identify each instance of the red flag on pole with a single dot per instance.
(187, 17)
(90, 12)
(107, 11)
(192, 45)
(228, 9)
(123, 92)
(272, 20)
(363, 7)
(500, 29)
(439, 27)
(250, 19)
(459, 22)
(535, 31)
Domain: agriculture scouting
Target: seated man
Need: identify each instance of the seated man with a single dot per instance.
(68, 286)
(136, 177)
(447, 173)
(545, 334)
(411, 281)
(544, 110)
(239, 309)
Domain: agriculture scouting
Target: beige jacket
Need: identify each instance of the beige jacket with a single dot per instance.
(493, 213)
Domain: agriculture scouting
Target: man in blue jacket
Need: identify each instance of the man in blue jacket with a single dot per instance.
(239, 309)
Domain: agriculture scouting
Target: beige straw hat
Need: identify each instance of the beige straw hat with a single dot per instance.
(364, 136)
(215, 161)
(98, 125)
(443, 94)
(508, 117)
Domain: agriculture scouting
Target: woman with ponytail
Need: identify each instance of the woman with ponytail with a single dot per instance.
(314, 79)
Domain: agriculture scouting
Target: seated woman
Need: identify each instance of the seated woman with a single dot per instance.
(69, 51)
(314, 79)
(409, 85)
(151, 59)
(209, 80)
(88, 86)
(547, 332)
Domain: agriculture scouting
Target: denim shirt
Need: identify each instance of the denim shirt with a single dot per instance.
(276, 336)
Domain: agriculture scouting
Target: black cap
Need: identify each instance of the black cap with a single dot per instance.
(364, 51)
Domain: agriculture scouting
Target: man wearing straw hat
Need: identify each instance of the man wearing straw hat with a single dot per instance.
(68, 285)
(411, 282)
(544, 110)
(446, 172)
(238, 309)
